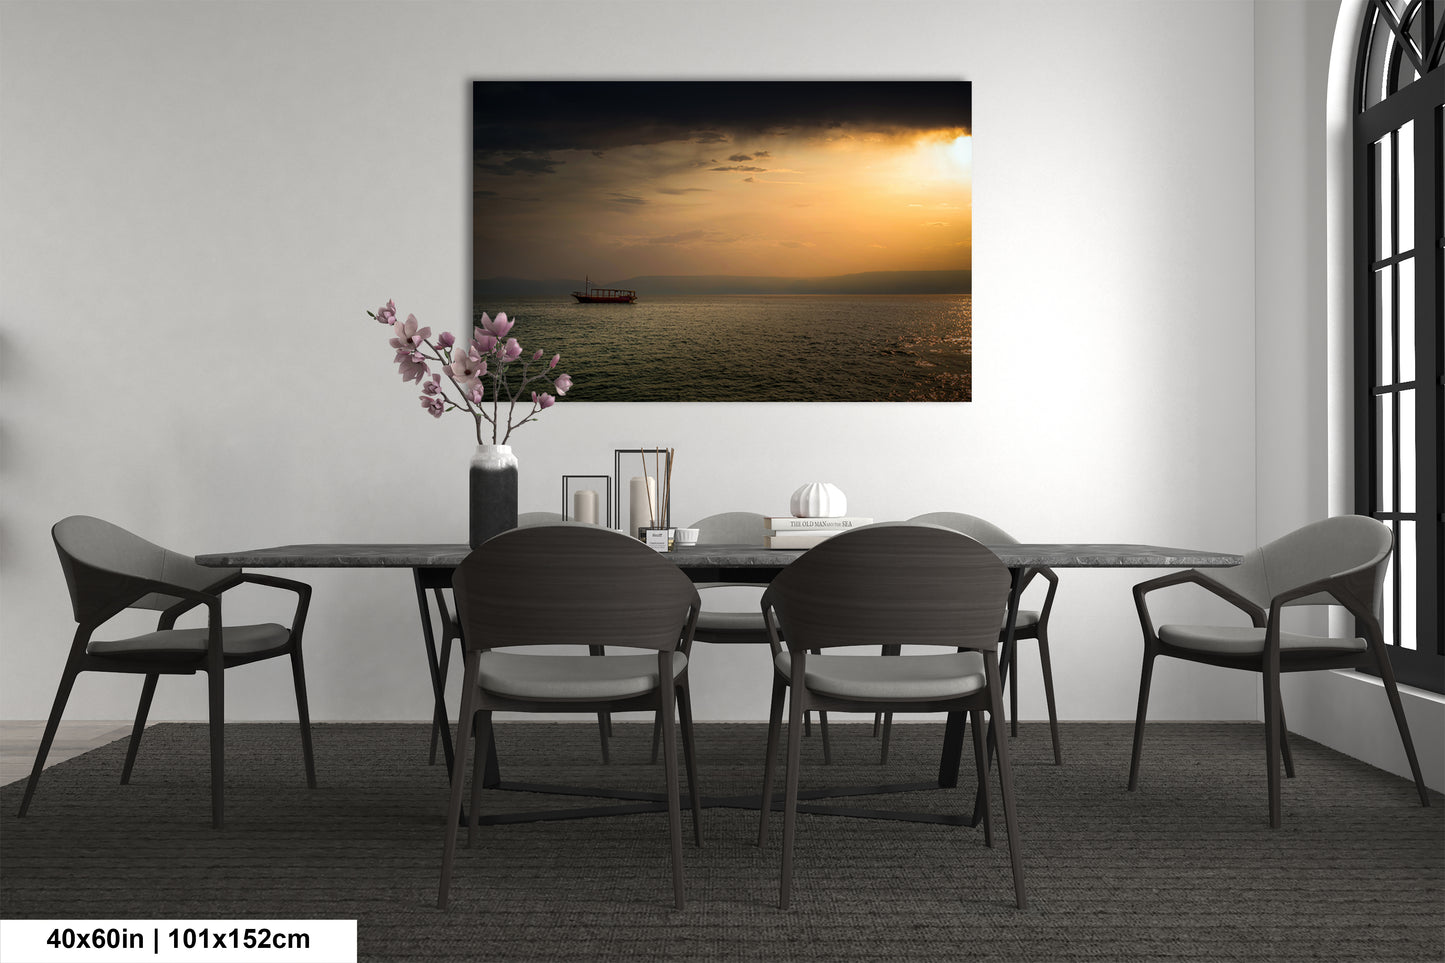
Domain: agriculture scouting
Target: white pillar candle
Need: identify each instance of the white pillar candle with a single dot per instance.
(584, 506)
(644, 503)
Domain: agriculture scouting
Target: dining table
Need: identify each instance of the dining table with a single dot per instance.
(432, 566)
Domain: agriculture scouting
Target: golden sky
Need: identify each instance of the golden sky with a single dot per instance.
(818, 179)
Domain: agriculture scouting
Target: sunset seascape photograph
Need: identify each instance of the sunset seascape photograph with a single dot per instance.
(731, 241)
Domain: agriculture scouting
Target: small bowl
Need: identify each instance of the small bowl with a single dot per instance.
(687, 536)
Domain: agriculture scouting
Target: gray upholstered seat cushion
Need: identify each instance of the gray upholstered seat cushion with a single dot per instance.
(1027, 619)
(887, 678)
(185, 645)
(710, 621)
(1241, 640)
(572, 677)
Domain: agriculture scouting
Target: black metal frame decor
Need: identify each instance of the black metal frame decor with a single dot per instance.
(778, 240)
(1399, 243)
(568, 491)
(659, 467)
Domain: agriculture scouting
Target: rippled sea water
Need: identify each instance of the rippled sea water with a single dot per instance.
(756, 347)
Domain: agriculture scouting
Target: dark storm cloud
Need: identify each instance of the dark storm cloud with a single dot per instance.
(537, 117)
(518, 164)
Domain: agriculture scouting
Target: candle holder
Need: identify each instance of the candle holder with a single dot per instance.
(654, 463)
(573, 485)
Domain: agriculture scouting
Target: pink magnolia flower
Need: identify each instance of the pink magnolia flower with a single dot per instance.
(409, 334)
(563, 384)
(537, 355)
(543, 400)
(386, 314)
(467, 369)
(433, 385)
(485, 343)
(553, 363)
(413, 367)
(497, 327)
(510, 351)
(433, 404)
(446, 339)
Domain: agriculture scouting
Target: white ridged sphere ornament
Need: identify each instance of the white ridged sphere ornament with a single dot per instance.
(819, 500)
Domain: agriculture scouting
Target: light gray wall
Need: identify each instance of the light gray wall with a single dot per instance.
(201, 200)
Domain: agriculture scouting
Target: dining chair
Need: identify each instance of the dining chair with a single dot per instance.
(109, 570)
(451, 635)
(886, 584)
(1030, 624)
(734, 626)
(577, 586)
(1337, 561)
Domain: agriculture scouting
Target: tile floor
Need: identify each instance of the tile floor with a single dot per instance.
(19, 740)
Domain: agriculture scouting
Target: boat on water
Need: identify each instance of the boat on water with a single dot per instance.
(595, 295)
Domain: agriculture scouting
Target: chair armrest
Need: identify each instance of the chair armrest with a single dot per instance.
(1048, 575)
(303, 597)
(770, 622)
(1196, 577)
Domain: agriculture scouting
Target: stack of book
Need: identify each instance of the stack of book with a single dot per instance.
(790, 532)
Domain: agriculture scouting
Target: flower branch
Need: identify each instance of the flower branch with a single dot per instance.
(480, 372)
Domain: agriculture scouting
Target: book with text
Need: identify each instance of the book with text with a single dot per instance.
(787, 523)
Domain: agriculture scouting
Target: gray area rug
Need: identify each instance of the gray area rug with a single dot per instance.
(1187, 868)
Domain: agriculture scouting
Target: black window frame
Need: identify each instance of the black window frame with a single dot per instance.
(1399, 81)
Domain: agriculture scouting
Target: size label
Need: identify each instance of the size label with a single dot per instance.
(131, 941)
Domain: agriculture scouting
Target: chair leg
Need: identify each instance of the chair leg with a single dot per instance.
(216, 683)
(656, 735)
(1392, 692)
(147, 691)
(604, 719)
(1006, 789)
(827, 746)
(1013, 689)
(303, 715)
(1284, 743)
(459, 775)
(482, 723)
(689, 758)
(770, 758)
(885, 717)
(980, 756)
(57, 709)
(1048, 669)
(790, 793)
(1271, 739)
(668, 705)
(1145, 676)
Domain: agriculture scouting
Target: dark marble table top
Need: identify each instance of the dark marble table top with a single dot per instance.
(441, 555)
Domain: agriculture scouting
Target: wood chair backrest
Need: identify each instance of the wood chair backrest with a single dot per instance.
(572, 585)
(892, 584)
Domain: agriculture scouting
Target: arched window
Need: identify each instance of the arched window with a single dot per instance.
(1399, 265)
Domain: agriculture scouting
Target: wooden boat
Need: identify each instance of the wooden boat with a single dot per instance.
(596, 295)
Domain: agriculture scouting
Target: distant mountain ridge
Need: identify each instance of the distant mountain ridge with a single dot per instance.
(867, 282)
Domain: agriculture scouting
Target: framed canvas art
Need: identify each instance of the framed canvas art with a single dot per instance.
(731, 241)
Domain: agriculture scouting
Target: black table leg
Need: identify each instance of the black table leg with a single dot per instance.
(421, 577)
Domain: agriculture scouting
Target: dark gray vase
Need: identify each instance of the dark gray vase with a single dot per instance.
(493, 493)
